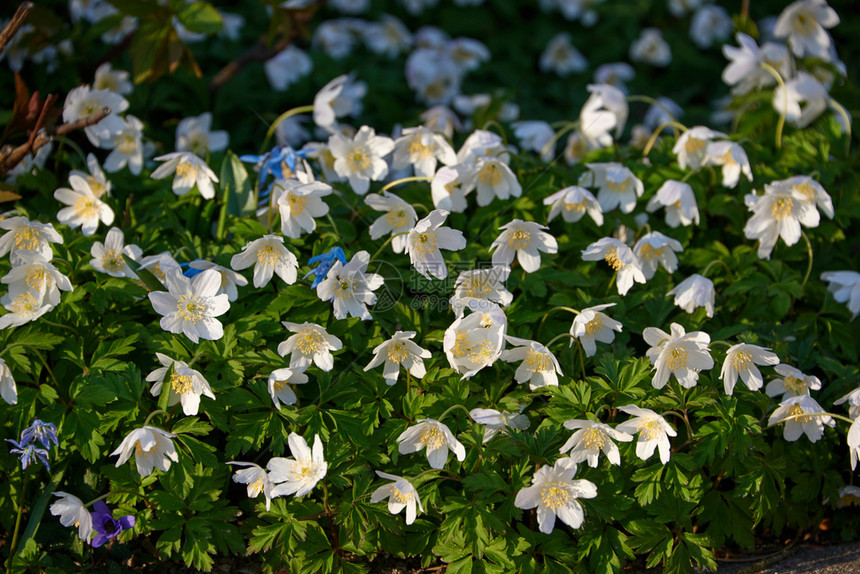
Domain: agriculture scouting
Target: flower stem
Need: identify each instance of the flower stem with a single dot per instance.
(451, 408)
(557, 136)
(548, 313)
(387, 241)
(846, 118)
(802, 415)
(559, 337)
(659, 104)
(717, 262)
(657, 132)
(809, 266)
(582, 359)
(397, 182)
(60, 326)
(289, 113)
(13, 546)
(781, 123)
(152, 414)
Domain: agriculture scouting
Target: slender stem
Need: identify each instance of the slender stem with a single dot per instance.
(548, 313)
(683, 418)
(222, 215)
(289, 113)
(845, 118)
(113, 492)
(582, 359)
(60, 326)
(717, 262)
(570, 126)
(781, 123)
(726, 343)
(558, 338)
(657, 133)
(809, 266)
(659, 104)
(397, 182)
(499, 128)
(152, 414)
(195, 357)
(612, 282)
(41, 358)
(802, 415)
(13, 546)
(689, 174)
(387, 241)
(451, 408)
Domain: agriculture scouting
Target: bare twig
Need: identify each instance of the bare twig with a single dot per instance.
(259, 52)
(15, 23)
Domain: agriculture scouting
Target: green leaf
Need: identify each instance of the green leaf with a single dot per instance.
(242, 200)
(200, 17)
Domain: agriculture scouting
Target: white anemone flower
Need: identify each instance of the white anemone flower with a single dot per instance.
(279, 388)
(152, 448)
(620, 258)
(733, 161)
(802, 99)
(572, 203)
(126, 145)
(8, 390)
(681, 354)
(257, 480)
(591, 325)
(190, 306)
(654, 432)
(427, 238)
(487, 284)
(779, 212)
(812, 191)
(691, 147)
(655, 249)
(745, 72)
(24, 305)
(492, 178)
(310, 343)
(449, 188)
(340, 97)
(160, 265)
(83, 101)
(794, 383)
(845, 286)
(591, 439)
(554, 493)
(741, 361)
(299, 204)
(398, 218)
(801, 414)
(72, 512)
(694, 291)
(300, 474)
(803, 24)
(85, 209)
(189, 171)
(108, 257)
(360, 159)
(536, 136)
(184, 386)
(679, 201)
(651, 48)
(421, 148)
(350, 287)
(475, 341)
(268, 255)
(606, 99)
(854, 443)
(195, 134)
(34, 273)
(230, 280)
(482, 143)
(400, 494)
(617, 187)
(25, 234)
(539, 366)
(525, 239)
(116, 81)
(287, 67)
(561, 57)
(495, 421)
(435, 437)
(396, 352)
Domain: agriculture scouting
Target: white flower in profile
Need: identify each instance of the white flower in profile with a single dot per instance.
(96, 178)
(8, 390)
(257, 480)
(25, 234)
(595, 124)
(160, 265)
(475, 341)
(435, 437)
(85, 209)
(388, 37)
(812, 191)
(536, 136)
(309, 344)
(615, 74)
(487, 284)
(561, 57)
(694, 291)
(854, 443)
(733, 161)
(72, 512)
(152, 448)
(117, 81)
(794, 383)
(126, 145)
(591, 325)
(427, 238)
(299, 203)
(654, 432)
(495, 421)
(539, 366)
(803, 24)
(190, 306)
(449, 188)
(34, 273)
(620, 258)
(845, 286)
(482, 143)
(655, 249)
(801, 414)
(83, 101)
(300, 474)
(24, 305)
(340, 97)
(691, 147)
(108, 257)
(526, 240)
(400, 494)
(441, 119)
(492, 178)
(554, 493)
(279, 388)
(230, 280)
(741, 361)
(681, 354)
(679, 201)
(396, 352)
(605, 100)
(184, 386)
(360, 159)
(651, 48)
(399, 218)
(802, 99)
(189, 170)
(591, 439)
(572, 203)
(745, 72)
(195, 134)
(350, 287)
(287, 67)
(268, 255)
(421, 148)
(779, 212)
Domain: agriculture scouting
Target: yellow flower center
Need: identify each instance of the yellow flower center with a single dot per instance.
(555, 495)
(612, 259)
(795, 385)
(97, 187)
(256, 487)
(359, 158)
(649, 252)
(804, 23)
(593, 438)
(781, 208)
(26, 237)
(397, 218)
(425, 243)
(806, 189)
(490, 174)
(475, 287)
(594, 326)
(741, 360)
(267, 255)
(676, 358)
(618, 186)
(86, 207)
(418, 150)
(538, 362)
(431, 436)
(397, 352)
(519, 239)
(693, 145)
(180, 384)
(278, 385)
(402, 497)
(578, 207)
(297, 203)
(127, 144)
(112, 261)
(25, 303)
(35, 276)
(798, 412)
(650, 428)
(186, 170)
(190, 308)
(309, 342)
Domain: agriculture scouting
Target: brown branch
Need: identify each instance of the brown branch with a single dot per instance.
(15, 23)
(259, 52)
(9, 157)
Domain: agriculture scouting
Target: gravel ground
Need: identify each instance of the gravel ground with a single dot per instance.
(835, 559)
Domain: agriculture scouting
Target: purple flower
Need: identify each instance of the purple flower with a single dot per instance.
(28, 453)
(104, 524)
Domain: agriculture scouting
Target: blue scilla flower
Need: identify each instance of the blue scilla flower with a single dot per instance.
(29, 453)
(272, 162)
(105, 525)
(325, 263)
(41, 431)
